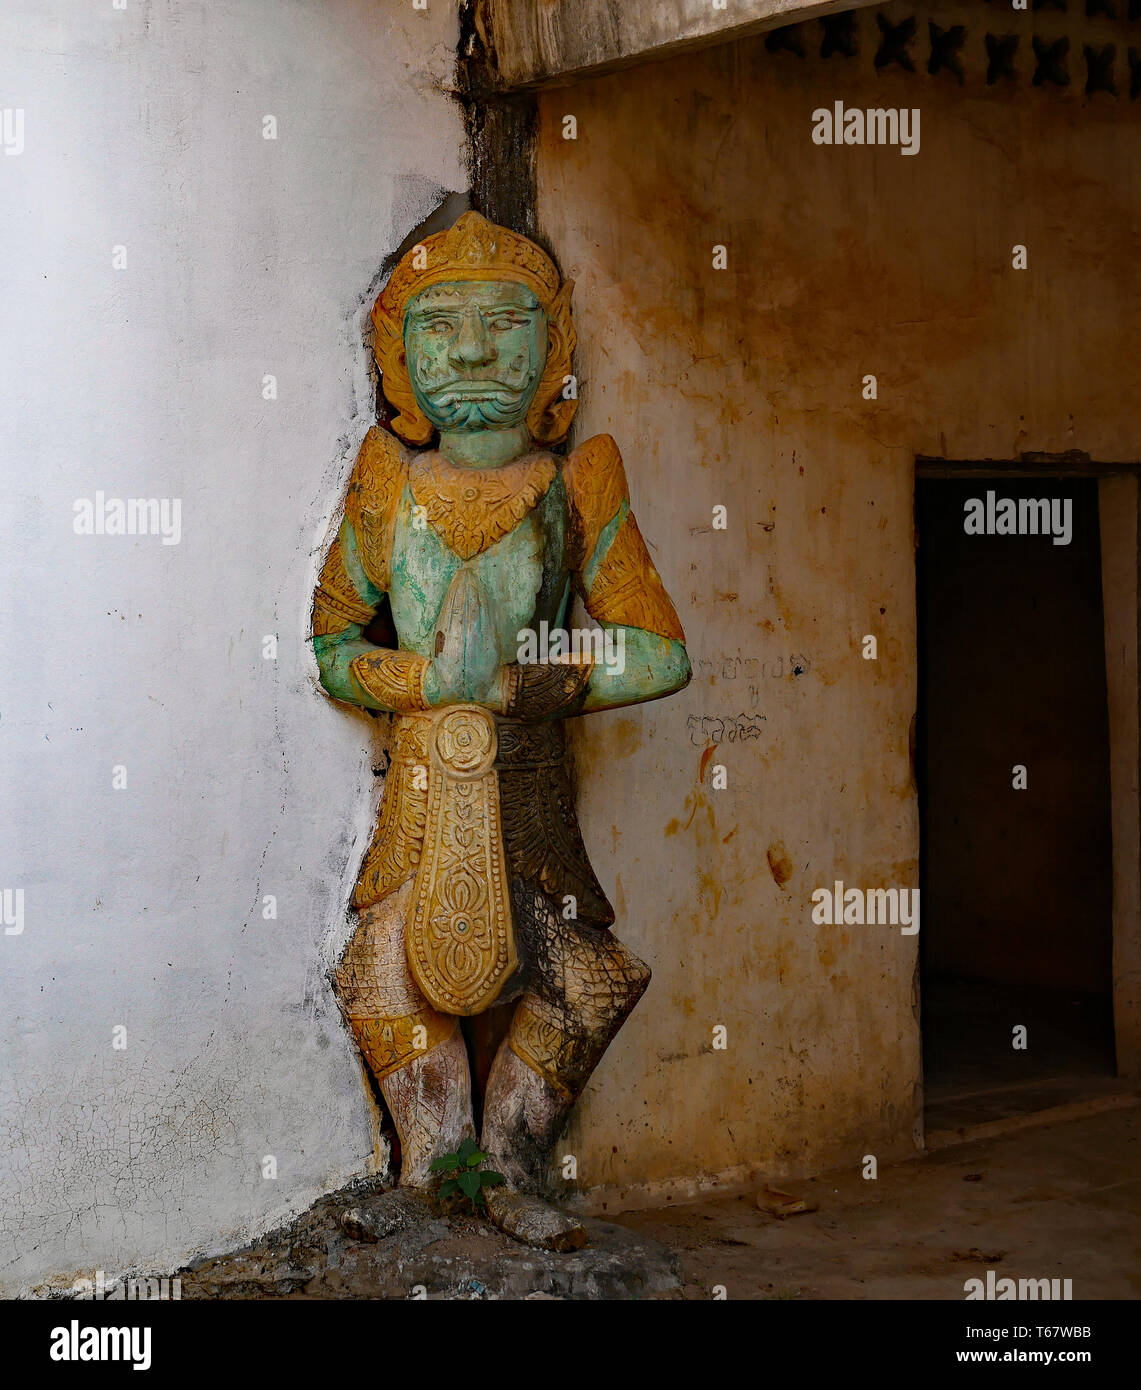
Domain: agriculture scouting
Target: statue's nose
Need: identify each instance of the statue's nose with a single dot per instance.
(472, 346)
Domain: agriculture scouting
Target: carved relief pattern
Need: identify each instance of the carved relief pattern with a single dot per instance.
(540, 828)
(431, 1106)
(378, 479)
(398, 843)
(596, 487)
(471, 509)
(628, 590)
(336, 603)
(461, 945)
(394, 678)
(562, 1060)
(543, 690)
(583, 985)
(378, 995)
(472, 249)
(388, 1044)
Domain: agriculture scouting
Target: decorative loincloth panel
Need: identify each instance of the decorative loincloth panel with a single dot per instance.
(541, 838)
(461, 942)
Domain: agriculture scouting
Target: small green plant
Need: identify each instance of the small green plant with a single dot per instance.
(467, 1178)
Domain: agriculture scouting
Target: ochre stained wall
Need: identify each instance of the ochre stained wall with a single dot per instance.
(743, 388)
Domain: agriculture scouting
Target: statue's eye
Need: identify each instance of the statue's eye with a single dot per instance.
(504, 325)
(439, 327)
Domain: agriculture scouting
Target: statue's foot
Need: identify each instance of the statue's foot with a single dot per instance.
(384, 1215)
(534, 1222)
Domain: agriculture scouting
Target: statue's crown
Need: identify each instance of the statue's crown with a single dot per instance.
(472, 249)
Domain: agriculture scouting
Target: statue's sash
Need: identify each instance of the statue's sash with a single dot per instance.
(460, 939)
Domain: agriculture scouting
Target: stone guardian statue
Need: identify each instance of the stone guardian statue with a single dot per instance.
(476, 893)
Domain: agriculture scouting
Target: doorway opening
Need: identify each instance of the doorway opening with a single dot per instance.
(1013, 770)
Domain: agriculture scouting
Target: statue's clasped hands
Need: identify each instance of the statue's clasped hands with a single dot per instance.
(466, 664)
(467, 668)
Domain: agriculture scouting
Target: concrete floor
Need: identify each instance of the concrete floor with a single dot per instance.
(1057, 1201)
(1061, 1201)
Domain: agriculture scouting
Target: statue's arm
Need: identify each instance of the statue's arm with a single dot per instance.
(653, 663)
(354, 580)
(621, 587)
(352, 668)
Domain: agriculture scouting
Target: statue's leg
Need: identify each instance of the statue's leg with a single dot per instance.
(430, 1102)
(417, 1055)
(582, 986)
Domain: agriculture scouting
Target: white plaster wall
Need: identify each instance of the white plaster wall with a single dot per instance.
(143, 128)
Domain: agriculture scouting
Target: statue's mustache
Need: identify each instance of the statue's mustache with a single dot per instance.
(467, 388)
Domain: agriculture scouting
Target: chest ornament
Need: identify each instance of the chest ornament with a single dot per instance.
(471, 508)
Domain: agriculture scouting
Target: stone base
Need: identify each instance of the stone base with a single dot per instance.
(434, 1254)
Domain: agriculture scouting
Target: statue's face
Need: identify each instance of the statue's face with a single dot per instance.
(476, 352)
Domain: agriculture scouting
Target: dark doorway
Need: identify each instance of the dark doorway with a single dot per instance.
(1016, 884)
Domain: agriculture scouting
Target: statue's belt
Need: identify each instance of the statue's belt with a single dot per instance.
(460, 938)
(536, 824)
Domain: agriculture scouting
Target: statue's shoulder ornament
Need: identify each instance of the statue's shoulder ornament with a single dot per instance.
(378, 479)
(625, 588)
(596, 487)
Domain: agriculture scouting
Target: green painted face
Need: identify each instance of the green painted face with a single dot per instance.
(476, 351)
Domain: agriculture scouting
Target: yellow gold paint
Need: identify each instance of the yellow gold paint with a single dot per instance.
(378, 479)
(336, 603)
(627, 590)
(562, 1060)
(388, 1044)
(461, 941)
(596, 488)
(394, 678)
(399, 840)
(470, 509)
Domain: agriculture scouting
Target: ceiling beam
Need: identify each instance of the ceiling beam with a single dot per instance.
(537, 43)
